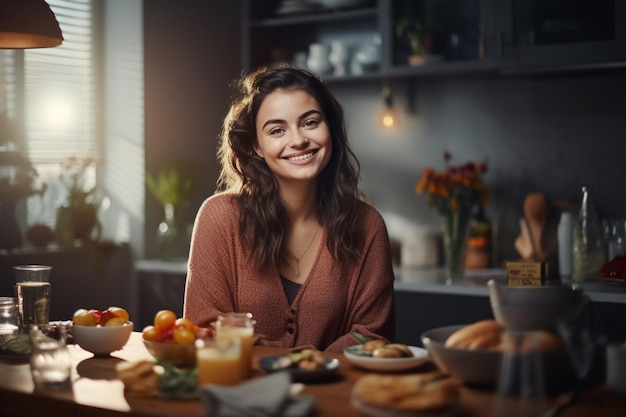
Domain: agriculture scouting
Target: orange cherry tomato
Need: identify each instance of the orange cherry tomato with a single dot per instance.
(164, 320)
(184, 336)
(183, 322)
(151, 333)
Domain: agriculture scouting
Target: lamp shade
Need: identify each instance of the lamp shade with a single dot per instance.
(28, 24)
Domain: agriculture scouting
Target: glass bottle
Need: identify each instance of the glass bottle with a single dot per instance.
(479, 249)
(588, 244)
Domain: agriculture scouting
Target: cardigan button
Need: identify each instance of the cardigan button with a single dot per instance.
(290, 321)
(290, 330)
(293, 312)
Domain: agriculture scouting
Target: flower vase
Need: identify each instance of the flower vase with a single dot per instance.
(455, 231)
(167, 234)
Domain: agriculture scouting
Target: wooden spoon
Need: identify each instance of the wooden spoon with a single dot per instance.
(523, 243)
(536, 214)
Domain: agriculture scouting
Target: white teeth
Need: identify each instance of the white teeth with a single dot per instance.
(301, 157)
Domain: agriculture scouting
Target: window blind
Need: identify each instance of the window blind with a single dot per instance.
(60, 105)
(59, 90)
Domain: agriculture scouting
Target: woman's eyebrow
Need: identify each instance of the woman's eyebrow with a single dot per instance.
(302, 116)
(272, 121)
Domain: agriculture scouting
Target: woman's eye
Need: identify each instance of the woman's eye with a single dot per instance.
(276, 131)
(311, 123)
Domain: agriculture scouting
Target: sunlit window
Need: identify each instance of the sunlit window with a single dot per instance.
(60, 104)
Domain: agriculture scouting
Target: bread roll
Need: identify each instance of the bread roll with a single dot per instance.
(543, 342)
(419, 392)
(487, 334)
(138, 377)
(484, 334)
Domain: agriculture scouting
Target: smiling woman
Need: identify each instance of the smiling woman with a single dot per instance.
(289, 236)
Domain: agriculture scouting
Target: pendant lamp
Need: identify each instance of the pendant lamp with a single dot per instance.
(388, 118)
(28, 24)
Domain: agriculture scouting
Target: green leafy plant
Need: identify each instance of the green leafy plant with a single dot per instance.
(169, 187)
(413, 31)
(417, 24)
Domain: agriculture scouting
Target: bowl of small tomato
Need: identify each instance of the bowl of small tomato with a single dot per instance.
(172, 339)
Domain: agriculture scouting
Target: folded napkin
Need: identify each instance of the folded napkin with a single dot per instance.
(263, 397)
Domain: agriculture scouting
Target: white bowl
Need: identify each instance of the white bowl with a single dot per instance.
(102, 340)
(525, 308)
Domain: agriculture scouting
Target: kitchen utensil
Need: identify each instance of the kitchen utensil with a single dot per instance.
(536, 214)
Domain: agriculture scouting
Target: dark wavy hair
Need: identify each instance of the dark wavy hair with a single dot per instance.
(262, 223)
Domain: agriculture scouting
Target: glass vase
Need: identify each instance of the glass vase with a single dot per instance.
(455, 230)
(167, 234)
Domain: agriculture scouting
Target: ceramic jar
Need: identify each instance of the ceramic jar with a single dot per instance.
(318, 58)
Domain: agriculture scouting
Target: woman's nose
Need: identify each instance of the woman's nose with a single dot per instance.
(298, 139)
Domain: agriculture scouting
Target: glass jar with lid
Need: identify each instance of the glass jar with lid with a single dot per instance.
(8, 315)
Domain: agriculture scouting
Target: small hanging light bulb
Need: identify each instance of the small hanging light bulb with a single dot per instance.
(388, 118)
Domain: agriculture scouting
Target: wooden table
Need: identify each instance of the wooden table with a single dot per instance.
(96, 392)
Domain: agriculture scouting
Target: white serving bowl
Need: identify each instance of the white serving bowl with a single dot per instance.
(102, 340)
(525, 308)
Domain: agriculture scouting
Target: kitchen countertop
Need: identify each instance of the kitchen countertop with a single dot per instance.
(433, 280)
(426, 280)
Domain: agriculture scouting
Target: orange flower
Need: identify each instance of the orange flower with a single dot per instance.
(455, 188)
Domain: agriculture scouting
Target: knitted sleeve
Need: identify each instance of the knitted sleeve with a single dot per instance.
(211, 283)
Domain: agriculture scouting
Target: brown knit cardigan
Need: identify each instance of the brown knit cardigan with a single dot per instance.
(335, 299)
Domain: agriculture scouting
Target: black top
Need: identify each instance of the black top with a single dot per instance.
(291, 288)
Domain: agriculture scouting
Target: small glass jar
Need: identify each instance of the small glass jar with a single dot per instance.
(8, 315)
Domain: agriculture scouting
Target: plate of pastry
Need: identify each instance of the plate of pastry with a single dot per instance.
(304, 364)
(378, 355)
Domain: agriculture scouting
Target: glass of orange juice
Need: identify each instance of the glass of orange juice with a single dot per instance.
(218, 361)
(238, 326)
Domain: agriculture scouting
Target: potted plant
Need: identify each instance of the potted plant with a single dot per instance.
(416, 27)
(77, 218)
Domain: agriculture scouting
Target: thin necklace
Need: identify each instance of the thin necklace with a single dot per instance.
(297, 271)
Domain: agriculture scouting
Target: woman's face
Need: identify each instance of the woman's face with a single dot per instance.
(293, 136)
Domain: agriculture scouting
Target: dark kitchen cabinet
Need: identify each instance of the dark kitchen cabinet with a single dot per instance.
(459, 36)
(418, 312)
(271, 35)
(461, 40)
(160, 286)
(463, 36)
(549, 34)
